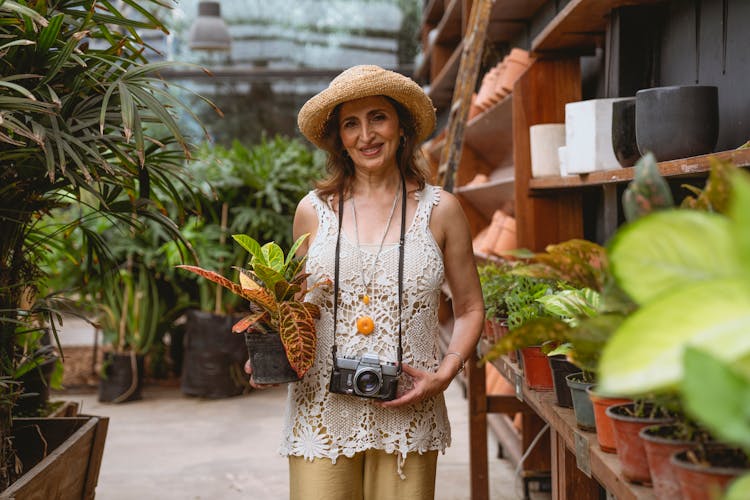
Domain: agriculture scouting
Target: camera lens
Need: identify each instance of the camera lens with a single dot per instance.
(367, 382)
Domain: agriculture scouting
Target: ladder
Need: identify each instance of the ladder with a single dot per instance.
(468, 71)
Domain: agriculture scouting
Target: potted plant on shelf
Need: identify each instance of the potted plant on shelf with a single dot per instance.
(688, 271)
(280, 329)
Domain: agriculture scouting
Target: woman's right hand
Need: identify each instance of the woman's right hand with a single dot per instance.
(249, 371)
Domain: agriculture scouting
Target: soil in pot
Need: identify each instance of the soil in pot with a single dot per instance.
(268, 359)
(122, 378)
(628, 419)
(561, 368)
(536, 370)
(582, 406)
(704, 473)
(661, 442)
(605, 432)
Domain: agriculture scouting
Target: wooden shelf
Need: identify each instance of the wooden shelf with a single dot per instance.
(488, 197)
(441, 88)
(509, 17)
(579, 26)
(605, 467)
(684, 167)
(490, 134)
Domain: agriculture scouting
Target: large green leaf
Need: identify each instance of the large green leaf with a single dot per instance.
(671, 249)
(645, 353)
(717, 396)
(739, 489)
(740, 214)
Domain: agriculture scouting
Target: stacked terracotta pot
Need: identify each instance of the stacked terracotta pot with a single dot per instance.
(499, 236)
(498, 81)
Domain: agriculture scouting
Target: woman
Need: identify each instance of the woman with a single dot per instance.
(370, 121)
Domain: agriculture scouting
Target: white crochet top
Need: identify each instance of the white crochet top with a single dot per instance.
(321, 424)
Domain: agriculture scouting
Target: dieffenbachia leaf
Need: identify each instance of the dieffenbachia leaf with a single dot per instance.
(672, 249)
(645, 353)
(717, 396)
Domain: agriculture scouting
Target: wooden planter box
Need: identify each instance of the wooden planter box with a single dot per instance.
(61, 455)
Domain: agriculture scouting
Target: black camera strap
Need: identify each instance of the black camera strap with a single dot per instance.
(400, 272)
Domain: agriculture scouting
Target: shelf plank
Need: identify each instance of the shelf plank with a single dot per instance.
(489, 196)
(684, 167)
(490, 134)
(441, 88)
(579, 26)
(509, 17)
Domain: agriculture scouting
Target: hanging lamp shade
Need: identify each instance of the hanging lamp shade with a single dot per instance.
(209, 31)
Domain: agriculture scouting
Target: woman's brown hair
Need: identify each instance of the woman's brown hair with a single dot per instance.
(341, 168)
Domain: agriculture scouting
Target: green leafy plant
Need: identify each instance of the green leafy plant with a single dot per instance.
(274, 285)
(495, 279)
(689, 273)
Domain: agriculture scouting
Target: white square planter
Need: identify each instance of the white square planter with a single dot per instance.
(545, 139)
(588, 136)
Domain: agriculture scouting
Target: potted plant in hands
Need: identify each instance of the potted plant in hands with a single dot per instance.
(280, 329)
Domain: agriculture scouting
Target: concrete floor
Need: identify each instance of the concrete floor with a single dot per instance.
(169, 446)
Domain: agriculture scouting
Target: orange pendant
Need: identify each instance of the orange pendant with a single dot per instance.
(365, 299)
(365, 325)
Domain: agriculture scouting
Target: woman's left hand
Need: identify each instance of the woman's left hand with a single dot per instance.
(425, 385)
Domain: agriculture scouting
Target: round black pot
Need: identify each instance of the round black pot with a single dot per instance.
(268, 359)
(35, 389)
(561, 367)
(213, 357)
(121, 380)
(623, 132)
(677, 122)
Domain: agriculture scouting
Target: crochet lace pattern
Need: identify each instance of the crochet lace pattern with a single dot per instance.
(319, 424)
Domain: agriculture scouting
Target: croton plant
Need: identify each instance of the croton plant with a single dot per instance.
(274, 285)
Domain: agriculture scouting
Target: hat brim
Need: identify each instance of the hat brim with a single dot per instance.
(365, 81)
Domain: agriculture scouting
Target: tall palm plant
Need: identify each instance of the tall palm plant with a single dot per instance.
(83, 119)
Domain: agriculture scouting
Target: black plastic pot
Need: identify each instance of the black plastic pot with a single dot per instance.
(213, 357)
(122, 379)
(677, 122)
(561, 368)
(623, 132)
(268, 359)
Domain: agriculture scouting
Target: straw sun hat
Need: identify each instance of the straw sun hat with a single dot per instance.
(364, 81)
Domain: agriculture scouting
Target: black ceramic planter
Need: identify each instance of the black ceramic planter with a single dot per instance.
(268, 359)
(213, 357)
(623, 132)
(561, 368)
(677, 122)
(35, 388)
(122, 379)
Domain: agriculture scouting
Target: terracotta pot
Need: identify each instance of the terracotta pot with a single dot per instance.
(536, 370)
(515, 64)
(561, 368)
(708, 482)
(630, 448)
(507, 239)
(493, 232)
(584, 410)
(605, 432)
(485, 95)
(659, 448)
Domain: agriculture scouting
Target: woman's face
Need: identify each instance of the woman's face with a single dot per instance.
(370, 131)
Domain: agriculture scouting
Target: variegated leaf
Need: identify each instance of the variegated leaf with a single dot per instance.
(249, 320)
(216, 278)
(297, 330)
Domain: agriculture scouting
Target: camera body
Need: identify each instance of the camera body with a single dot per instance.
(366, 377)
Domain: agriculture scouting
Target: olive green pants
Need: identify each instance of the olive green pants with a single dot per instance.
(368, 475)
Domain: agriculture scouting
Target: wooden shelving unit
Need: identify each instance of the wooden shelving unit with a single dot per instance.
(548, 210)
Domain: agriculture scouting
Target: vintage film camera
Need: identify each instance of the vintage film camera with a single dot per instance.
(366, 377)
